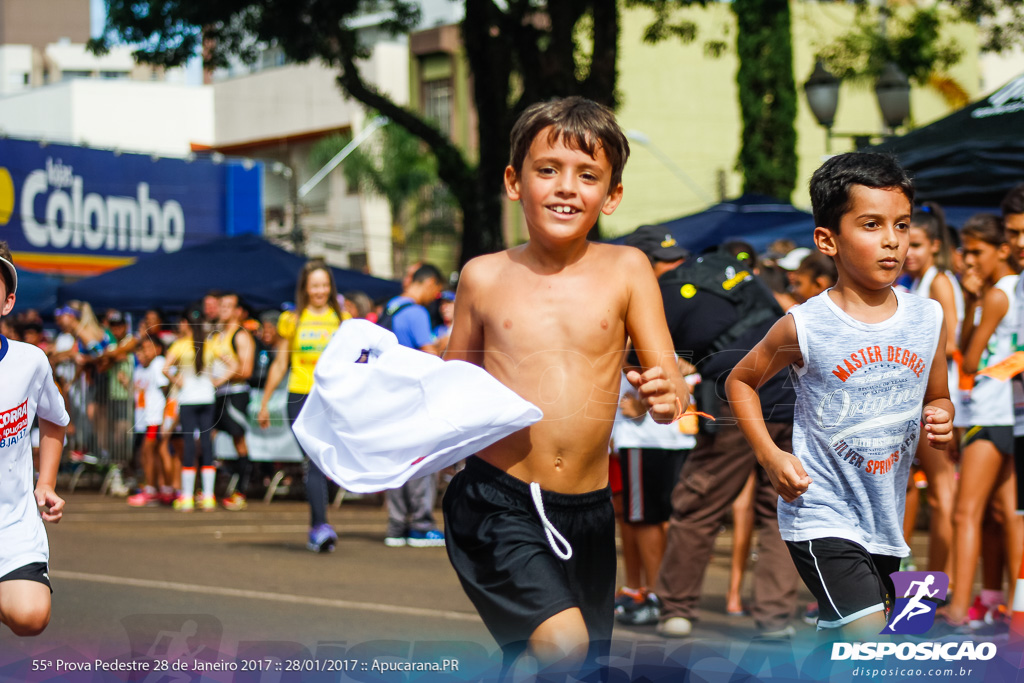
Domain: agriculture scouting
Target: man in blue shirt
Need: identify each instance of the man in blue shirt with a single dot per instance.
(411, 507)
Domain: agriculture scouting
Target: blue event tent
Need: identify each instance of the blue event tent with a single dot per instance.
(753, 218)
(37, 291)
(261, 273)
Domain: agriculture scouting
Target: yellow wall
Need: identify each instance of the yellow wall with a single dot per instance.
(685, 103)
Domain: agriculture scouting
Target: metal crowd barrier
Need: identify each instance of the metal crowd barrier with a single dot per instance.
(102, 410)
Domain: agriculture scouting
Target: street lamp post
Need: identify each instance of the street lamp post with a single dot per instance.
(892, 90)
(822, 90)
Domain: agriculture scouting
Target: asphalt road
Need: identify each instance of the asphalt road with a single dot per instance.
(221, 588)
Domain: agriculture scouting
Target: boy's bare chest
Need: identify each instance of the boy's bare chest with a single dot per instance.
(574, 317)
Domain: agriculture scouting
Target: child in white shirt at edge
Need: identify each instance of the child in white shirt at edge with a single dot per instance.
(27, 390)
(861, 352)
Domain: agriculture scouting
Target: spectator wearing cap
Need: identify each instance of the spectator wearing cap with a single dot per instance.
(790, 262)
(659, 246)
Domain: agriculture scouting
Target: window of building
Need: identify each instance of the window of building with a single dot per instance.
(73, 74)
(110, 75)
(437, 103)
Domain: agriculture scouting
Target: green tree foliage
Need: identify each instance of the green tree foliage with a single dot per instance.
(519, 51)
(399, 170)
(767, 96)
(764, 81)
(912, 41)
(910, 35)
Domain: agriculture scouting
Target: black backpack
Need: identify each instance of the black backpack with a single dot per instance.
(388, 318)
(719, 273)
(722, 275)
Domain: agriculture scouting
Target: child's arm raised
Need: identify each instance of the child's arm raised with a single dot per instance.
(466, 341)
(51, 444)
(661, 386)
(938, 409)
(779, 348)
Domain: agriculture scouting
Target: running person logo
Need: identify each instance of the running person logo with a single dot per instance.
(918, 595)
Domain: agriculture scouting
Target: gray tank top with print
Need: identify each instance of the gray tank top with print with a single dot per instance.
(860, 395)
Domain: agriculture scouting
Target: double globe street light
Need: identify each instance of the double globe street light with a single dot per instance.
(892, 90)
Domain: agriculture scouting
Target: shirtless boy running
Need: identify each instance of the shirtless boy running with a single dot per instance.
(529, 521)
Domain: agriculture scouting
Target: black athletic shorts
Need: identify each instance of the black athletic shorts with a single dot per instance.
(230, 413)
(648, 477)
(1000, 436)
(498, 547)
(847, 580)
(33, 571)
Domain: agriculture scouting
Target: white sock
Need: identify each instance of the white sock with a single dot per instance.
(209, 475)
(188, 481)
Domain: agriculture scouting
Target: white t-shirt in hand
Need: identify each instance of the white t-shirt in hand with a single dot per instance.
(27, 390)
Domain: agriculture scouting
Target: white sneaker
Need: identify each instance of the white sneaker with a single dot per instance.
(784, 633)
(675, 627)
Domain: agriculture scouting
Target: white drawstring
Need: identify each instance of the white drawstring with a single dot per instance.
(549, 528)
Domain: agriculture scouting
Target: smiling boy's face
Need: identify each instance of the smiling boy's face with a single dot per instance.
(563, 190)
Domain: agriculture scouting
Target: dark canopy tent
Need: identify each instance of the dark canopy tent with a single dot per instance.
(261, 273)
(973, 156)
(753, 218)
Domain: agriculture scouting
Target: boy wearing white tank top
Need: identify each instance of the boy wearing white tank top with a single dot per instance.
(868, 365)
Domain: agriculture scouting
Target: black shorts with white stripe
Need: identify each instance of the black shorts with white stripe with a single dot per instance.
(847, 580)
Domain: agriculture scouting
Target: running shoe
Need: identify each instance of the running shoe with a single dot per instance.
(425, 539)
(395, 541)
(675, 627)
(627, 598)
(784, 633)
(207, 503)
(235, 502)
(322, 539)
(996, 623)
(811, 614)
(976, 613)
(646, 613)
(143, 499)
(184, 503)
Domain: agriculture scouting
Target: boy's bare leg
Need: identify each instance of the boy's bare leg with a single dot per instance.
(24, 606)
(1013, 524)
(978, 476)
(941, 493)
(562, 639)
(151, 463)
(864, 629)
(650, 543)
(742, 533)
